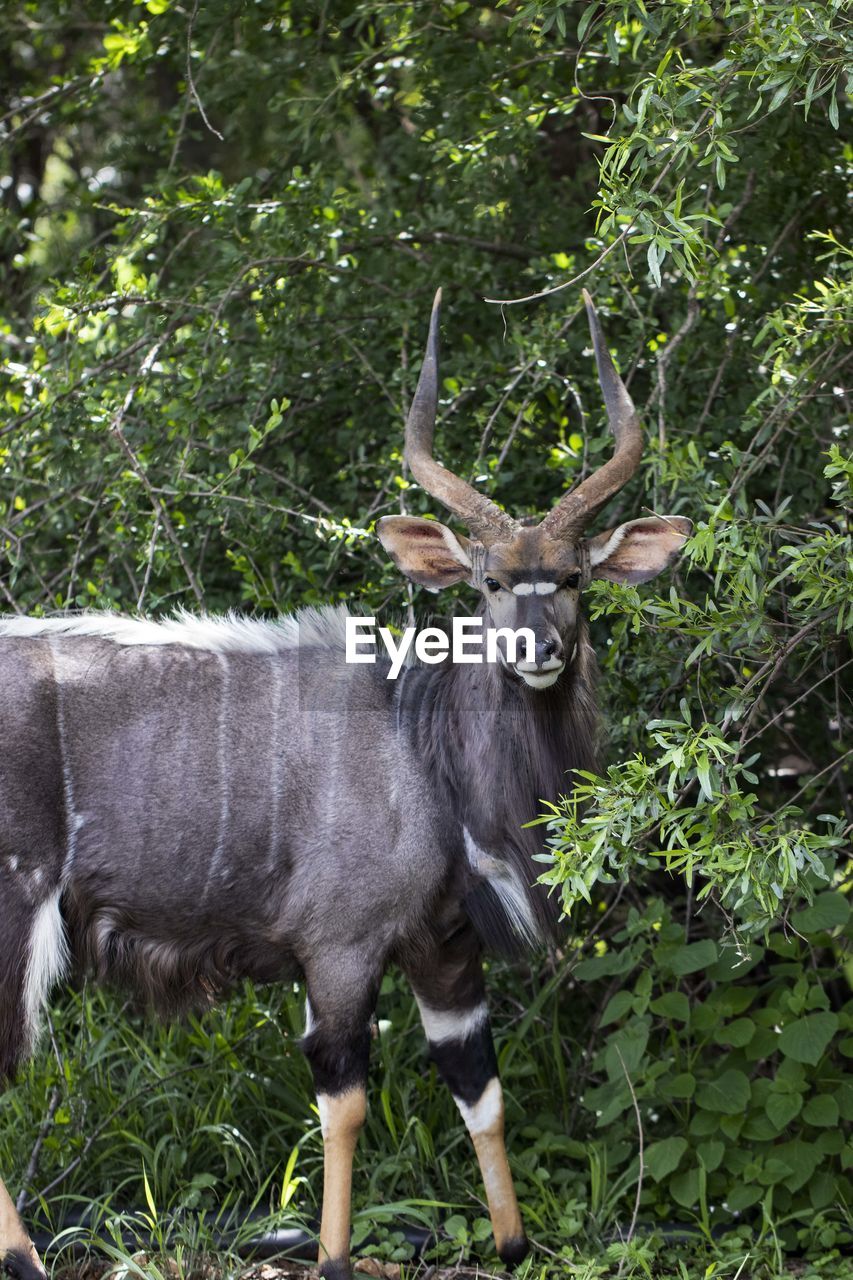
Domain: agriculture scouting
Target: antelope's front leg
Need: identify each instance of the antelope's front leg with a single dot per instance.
(451, 997)
(341, 1119)
(336, 1044)
(18, 1257)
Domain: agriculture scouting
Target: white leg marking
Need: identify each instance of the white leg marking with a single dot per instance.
(323, 1109)
(48, 956)
(309, 1017)
(341, 1112)
(485, 1114)
(448, 1024)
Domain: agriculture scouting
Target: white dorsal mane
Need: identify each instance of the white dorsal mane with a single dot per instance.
(224, 633)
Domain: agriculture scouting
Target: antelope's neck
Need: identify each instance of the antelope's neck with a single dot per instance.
(497, 748)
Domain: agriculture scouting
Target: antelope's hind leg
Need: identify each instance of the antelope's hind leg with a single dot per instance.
(450, 992)
(30, 953)
(18, 1257)
(341, 999)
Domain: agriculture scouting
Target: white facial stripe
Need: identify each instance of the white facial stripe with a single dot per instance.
(540, 588)
(451, 1024)
(484, 1115)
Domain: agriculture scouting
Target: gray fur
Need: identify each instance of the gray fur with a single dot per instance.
(234, 811)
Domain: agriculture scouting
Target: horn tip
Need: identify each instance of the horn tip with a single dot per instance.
(586, 297)
(436, 302)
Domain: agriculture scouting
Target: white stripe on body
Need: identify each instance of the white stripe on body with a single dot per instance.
(73, 820)
(274, 806)
(47, 958)
(221, 774)
(505, 881)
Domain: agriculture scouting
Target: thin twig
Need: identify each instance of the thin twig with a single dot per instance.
(152, 547)
(191, 82)
(159, 509)
(773, 664)
(677, 149)
(33, 1164)
(813, 779)
(744, 741)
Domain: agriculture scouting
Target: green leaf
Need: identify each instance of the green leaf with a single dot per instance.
(737, 1033)
(683, 1085)
(779, 96)
(693, 957)
(654, 262)
(735, 963)
(711, 1154)
(606, 966)
(149, 1199)
(781, 1108)
(727, 1093)
(684, 1188)
(828, 911)
(617, 1007)
(662, 1158)
(821, 1111)
(743, 1196)
(674, 1004)
(806, 1039)
(801, 1159)
(631, 1044)
(586, 18)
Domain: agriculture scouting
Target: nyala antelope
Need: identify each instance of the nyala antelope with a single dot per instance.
(191, 802)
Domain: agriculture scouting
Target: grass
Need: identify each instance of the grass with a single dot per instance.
(169, 1137)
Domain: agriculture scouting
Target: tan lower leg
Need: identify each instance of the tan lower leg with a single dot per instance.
(16, 1248)
(341, 1118)
(485, 1122)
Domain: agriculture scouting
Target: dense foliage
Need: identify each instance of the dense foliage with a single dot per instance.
(222, 225)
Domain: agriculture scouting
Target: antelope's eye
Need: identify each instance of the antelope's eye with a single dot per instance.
(572, 582)
(493, 584)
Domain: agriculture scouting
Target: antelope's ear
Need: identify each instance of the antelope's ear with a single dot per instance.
(426, 551)
(639, 550)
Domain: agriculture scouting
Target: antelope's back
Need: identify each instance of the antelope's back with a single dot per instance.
(215, 809)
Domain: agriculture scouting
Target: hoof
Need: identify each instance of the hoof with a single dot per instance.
(335, 1269)
(514, 1251)
(22, 1266)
